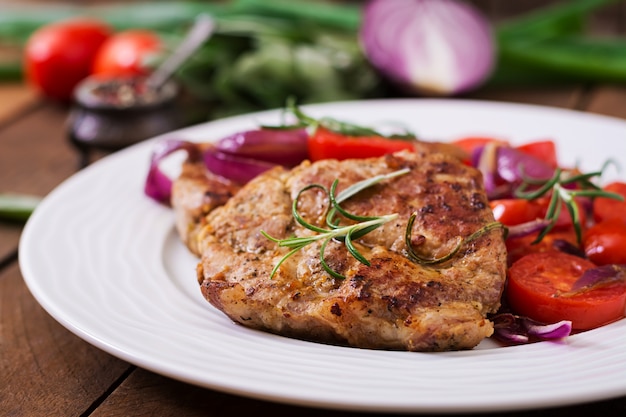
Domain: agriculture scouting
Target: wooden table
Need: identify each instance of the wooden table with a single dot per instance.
(46, 370)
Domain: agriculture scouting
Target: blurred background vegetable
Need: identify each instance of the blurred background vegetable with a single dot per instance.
(17, 207)
(266, 50)
(438, 47)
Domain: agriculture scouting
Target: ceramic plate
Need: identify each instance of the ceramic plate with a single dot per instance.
(105, 262)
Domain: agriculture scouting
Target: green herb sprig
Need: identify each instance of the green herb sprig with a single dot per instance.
(414, 256)
(564, 187)
(339, 126)
(334, 231)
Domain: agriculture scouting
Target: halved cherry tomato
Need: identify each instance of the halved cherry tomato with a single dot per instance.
(544, 150)
(608, 208)
(327, 144)
(539, 284)
(605, 242)
(128, 53)
(59, 55)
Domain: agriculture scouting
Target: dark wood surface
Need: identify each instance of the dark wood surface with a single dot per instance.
(47, 371)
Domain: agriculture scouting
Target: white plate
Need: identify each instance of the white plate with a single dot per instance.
(105, 262)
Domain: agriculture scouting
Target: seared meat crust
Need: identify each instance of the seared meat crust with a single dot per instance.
(395, 303)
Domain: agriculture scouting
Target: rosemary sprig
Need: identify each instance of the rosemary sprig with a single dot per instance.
(564, 187)
(338, 126)
(408, 239)
(346, 234)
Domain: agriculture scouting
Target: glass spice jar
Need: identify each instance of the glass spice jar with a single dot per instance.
(113, 113)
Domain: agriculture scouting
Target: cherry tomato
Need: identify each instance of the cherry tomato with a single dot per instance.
(608, 208)
(327, 144)
(59, 55)
(128, 53)
(538, 285)
(544, 150)
(605, 242)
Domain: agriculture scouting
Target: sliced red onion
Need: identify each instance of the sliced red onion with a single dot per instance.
(568, 247)
(441, 47)
(511, 328)
(513, 165)
(525, 229)
(504, 168)
(158, 186)
(233, 167)
(286, 147)
(601, 275)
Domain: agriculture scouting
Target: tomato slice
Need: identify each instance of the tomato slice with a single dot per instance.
(544, 150)
(608, 208)
(605, 242)
(538, 285)
(327, 144)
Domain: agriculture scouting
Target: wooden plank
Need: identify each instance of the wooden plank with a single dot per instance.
(45, 369)
(10, 233)
(15, 98)
(35, 155)
(565, 97)
(608, 100)
(157, 395)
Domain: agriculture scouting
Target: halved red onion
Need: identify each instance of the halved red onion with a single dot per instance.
(441, 47)
(511, 328)
(286, 147)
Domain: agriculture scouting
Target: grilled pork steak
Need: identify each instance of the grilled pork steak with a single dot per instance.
(396, 302)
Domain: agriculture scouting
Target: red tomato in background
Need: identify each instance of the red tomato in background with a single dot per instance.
(327, 144)
(59, 55)
(605, 243)
(128, 53)
(609, 208)
(536, 287)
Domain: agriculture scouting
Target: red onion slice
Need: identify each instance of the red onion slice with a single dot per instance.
(158, 186)
(525, 229)
(286, 147)
(441, 47)
(511, 328)
(601, 275)
(233, 167)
